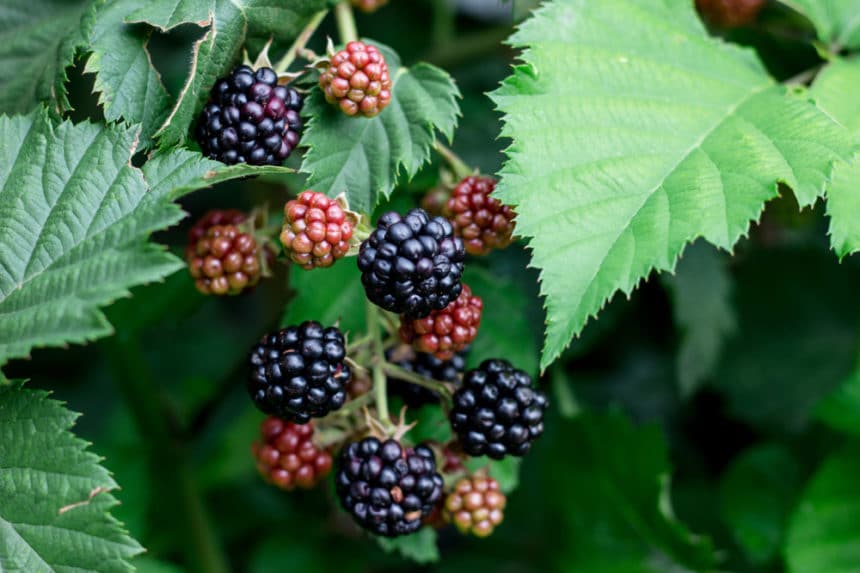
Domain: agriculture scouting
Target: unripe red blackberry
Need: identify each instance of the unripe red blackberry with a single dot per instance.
(369, 5)
(210, 219)
(388, 489)
(224, 260)
(316, 230)
(475, 506)
(445, 332)
(250, 119)
(484, 222)
(496, 411)
(730, 13)
(357, 80)
(299, 373)
(287, 457)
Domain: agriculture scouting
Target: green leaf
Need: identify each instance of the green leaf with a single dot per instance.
(173, 174)
(56, 497)
(129, 86)
(419, 547)
(757, 494)
(841, 409)
(616, 499)
(634, 133)
(825, 525)
(363, 157)
(836, 21)
(328, 295)
(837, 91)
(702, 293)
(76, 216)
(38, 39)
(230, 25)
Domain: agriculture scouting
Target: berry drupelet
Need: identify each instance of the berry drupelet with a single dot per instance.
(316, 230)
(250, 119)
(287, 457)
(425, 365)
(388, 489)
(445, 332)
(412, 264)
(357, 80)
(482, 221)
(497, 412)
(299, 373)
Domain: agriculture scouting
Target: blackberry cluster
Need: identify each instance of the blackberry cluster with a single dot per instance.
(287, 456)
(224, 261)
(412, 264)
(250, 119)
(445, 332)
(484, 222)
(497, 412)
(299, 372)
(425, 365)
(357, 80)
(388, 489)
(475, 506)
(316, 230)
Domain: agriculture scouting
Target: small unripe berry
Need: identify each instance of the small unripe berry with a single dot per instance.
(475, 506)
(357, 80)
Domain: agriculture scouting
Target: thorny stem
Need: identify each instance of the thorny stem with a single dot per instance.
(378, 364)
(458, 166)
(345, 22)
(402, 374)
(299, 45)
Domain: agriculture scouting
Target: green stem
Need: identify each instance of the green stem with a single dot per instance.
(458, 166)
(345, 22)
(443, 23)
(380, 389)
(402, 374)
(169, 453)
(300, 42)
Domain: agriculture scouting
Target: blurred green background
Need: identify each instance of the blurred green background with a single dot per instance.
(705, 387)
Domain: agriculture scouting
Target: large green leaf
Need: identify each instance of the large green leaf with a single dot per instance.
(76, 216)
(634, 133)
(54, 514)
(129, 86)
(230, 25)
(825, 526)
(836, 21)
(702, 293)
(363, 157)
(837, 91)
(756, 497)
(38, 39)
(615, 479)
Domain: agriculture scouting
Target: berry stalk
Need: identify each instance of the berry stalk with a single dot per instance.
(345, 22)
(402, 374)
(458, 166)
(378, 350)
(301, 41)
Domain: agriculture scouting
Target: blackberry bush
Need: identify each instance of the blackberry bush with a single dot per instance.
(250, 119)
(412, 264)
(299, 373)
(388, 489)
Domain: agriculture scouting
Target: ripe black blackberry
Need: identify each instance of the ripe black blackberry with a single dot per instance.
(497, 412)
(250, 119)
(412, 264)
(299, 373)
(425, 365)
(388, 489)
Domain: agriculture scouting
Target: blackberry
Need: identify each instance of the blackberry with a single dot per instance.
(388, 489)
(475, 506)
(497, 412)
(425, 365)
(357, 80)
(316, 230)
(250, 119)
(483, 222)
(224, 261)
(447, 331)
(412, 264)
(299, 373)
(287, 456)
